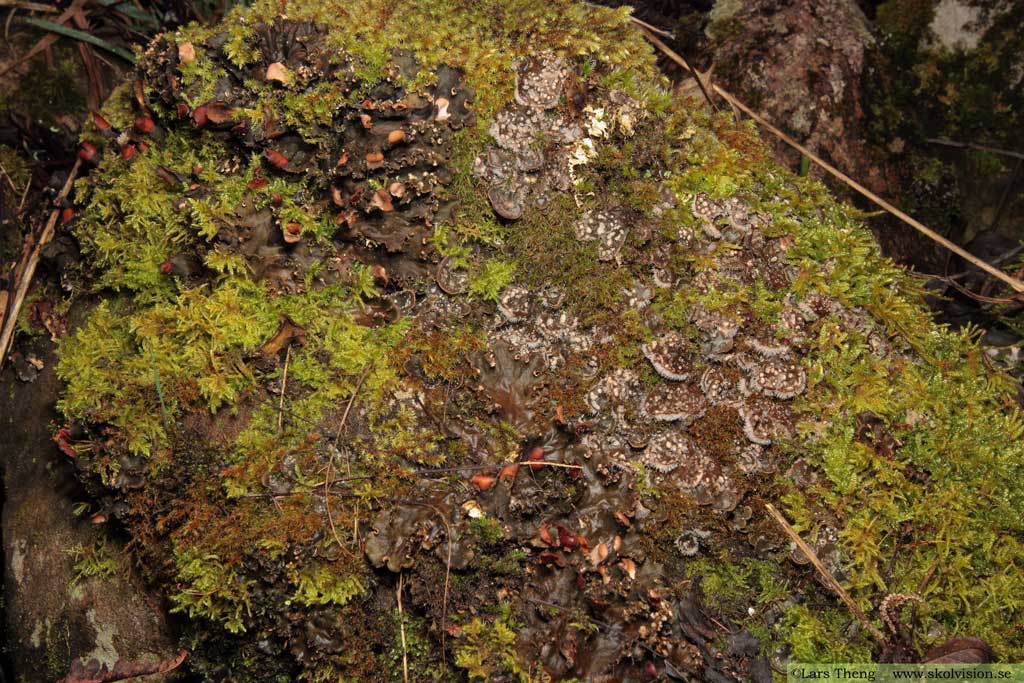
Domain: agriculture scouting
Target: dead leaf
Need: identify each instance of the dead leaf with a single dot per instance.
(279, 72)
(186, 53)
(967, 650)
(94, 672)
(219, 112)
(287, 332)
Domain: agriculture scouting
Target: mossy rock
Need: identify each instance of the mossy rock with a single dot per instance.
(359, 262)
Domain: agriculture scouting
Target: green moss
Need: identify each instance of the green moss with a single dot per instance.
(199, 78)
(322, 586)
(811, 635)
(486, 649)
(493, 277)
(487, 530)
(212, 590)
(94, 561)
(733, 586)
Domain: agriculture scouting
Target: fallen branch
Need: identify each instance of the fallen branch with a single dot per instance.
(1013, 282)
(827, 577)
(26, 268)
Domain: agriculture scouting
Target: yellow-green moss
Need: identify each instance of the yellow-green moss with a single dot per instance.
(486, 649)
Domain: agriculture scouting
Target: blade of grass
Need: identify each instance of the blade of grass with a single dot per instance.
(131, 11)
(80, 35)
(28, 6)
(159, 391)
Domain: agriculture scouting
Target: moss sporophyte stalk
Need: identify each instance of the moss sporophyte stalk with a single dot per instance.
(458, 291)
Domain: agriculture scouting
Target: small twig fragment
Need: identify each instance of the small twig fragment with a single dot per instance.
(401, 627)
(27, 267)
(284, 389)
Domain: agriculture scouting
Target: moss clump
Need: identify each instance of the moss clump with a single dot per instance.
(487, 649)
(94, 561)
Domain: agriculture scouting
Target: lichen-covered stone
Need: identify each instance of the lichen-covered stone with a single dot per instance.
(532, 350)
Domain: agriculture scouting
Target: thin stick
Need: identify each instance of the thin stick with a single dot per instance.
(30, 6)
(159, 391)
(653, 29)
(284, 388)
(971, 145)
(447, 583)
(829, 580)
(24, 196)
(639, 22)
(678, 59)
(10, 181)
(351, 400)
(470, 468)
(447, 572)
(977, 297)
(1013, 282)
(27, 267)
(330, 459)
(401, 627)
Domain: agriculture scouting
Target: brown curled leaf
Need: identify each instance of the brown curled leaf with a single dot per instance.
(967, 650)
(94, 672)
(219, 112)
(286, 333)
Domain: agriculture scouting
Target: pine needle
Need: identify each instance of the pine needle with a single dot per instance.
(401, 627)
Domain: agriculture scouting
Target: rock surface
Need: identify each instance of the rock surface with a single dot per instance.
(54, 613)
(802, 65)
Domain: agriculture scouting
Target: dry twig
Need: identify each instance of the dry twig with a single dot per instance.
(330, 459)
(827, 577)
(401, 627)
(1013, 282)
(284, 389)
(26, 267)
(971, 145)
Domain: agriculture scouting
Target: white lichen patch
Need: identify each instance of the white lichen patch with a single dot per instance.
(765, 421)
(534, 141)
(515, 303)
(674, 402)
(609, 228)
(670, 356)
(781, 377)
(541, 82)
